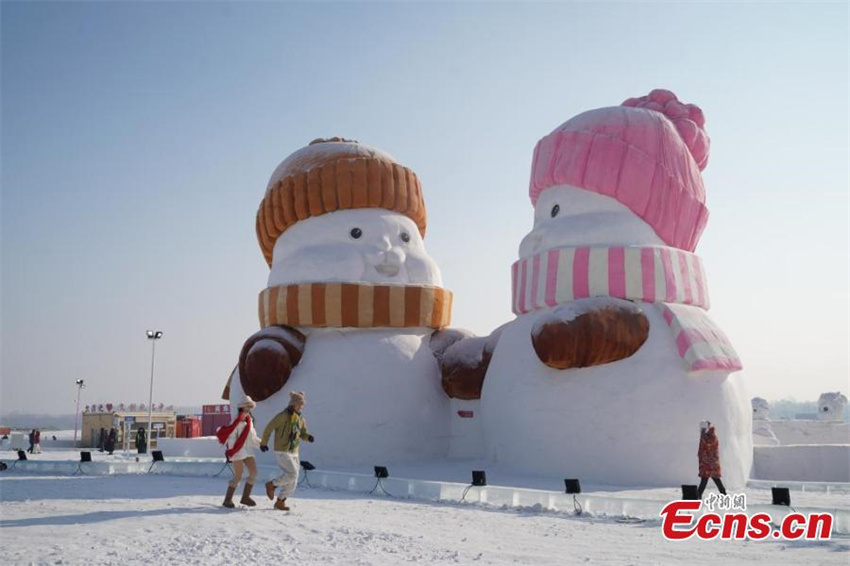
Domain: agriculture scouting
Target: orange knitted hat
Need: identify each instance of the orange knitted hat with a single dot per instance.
(335, 174)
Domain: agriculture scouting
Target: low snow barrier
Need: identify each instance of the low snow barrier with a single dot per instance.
(802, 462)
(447, 492)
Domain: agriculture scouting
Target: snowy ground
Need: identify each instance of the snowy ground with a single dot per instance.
(165, 519)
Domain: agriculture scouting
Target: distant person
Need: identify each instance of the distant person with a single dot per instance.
(141, 441)
(289, 428)
(53, 437)
(109, 445)
(709, 458)
(32, 441)
(102, 442)
(240, 439)
(36, 447)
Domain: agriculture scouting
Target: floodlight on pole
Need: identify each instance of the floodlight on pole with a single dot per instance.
(80, 384)
(153, 336)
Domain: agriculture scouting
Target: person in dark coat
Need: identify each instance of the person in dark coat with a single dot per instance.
(110, 441)
(32, 441)
(709, 458)
(102, 442)
(141, 441)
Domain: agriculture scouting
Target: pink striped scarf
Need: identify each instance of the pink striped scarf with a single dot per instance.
(672, 279)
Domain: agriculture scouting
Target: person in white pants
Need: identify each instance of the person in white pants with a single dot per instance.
(290, 428)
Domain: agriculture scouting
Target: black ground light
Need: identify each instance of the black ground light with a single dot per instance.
(157, 457)
(307, 466)
(479, 479)
(781, 496)
(381, 472)
(85, 457)
(22, 457)
(573, 487)
(690, 493)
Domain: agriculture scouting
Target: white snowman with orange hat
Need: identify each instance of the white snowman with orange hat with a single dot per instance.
(612, 360)
(354, 313)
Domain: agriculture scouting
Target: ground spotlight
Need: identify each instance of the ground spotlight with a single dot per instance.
(85, 457)
(690, 493)
(307, 465)
(157, 457)
(479, 478)
(573, 487)
(381, 473)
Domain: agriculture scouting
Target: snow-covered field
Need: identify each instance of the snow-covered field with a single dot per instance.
(167, 519)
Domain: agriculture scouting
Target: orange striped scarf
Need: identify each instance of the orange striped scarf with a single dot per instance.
(359, 305)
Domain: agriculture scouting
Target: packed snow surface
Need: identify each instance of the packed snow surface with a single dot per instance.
(155, 519)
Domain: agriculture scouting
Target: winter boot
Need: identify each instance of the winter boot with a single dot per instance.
(246, 496)
(280, 505)
(228, 498)
(270, 489)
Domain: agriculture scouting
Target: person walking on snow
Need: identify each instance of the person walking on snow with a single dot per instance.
(290, 428)
(36, 449)
(240, 439)
(32, 441)
(709, 458)
(110, 441)
(141, 441)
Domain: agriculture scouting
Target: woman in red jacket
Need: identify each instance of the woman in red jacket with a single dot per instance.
(709, 458)
(240, 439)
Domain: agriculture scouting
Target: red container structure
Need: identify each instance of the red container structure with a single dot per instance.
(188, 427)
(214, 416)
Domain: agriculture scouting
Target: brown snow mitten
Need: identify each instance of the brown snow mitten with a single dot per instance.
(267, 359)
(589, 332)
(464, 359)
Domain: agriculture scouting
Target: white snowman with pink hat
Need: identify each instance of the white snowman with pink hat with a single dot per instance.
(612, 361)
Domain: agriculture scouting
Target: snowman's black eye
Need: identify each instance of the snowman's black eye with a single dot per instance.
(555, 210)
(356, 233)
(405, 237)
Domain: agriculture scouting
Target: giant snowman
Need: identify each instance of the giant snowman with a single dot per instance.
(354, 313)
(612, 361)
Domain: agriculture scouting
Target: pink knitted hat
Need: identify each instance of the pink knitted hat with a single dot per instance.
(646, 153)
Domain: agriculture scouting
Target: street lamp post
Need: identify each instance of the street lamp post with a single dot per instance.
(80, 384)
(153, 336)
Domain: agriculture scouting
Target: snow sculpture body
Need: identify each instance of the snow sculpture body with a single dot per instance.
(612, 361)
(352, 303)
(831, 406)
(761, 409)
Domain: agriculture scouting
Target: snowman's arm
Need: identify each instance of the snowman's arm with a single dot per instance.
(267, 359)
(589, 332)
(463, 359)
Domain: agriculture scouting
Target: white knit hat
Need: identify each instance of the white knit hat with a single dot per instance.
(247, 403)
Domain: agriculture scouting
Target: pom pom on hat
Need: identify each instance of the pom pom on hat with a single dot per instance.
(688, 119)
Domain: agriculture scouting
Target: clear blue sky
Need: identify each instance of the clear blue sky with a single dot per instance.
(137, 140)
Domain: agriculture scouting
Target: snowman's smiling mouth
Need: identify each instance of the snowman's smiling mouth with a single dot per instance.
(387, 269)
